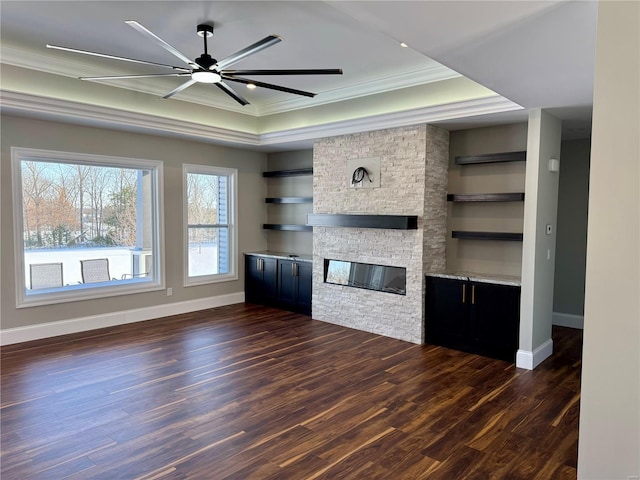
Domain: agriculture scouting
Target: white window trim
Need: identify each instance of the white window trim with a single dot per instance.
(84, 292)
(232, 215)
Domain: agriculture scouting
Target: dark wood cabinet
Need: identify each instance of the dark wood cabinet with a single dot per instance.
(294, 285)
(447, 313)
(495, 319)
(261, 275)
(475, 317)
(278, 282)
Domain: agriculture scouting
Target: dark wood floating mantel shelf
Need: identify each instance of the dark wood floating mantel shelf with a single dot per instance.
(289, 173)
(492, 158)
(485, 197)
(287, 227)
(464, 235)
(395, 222)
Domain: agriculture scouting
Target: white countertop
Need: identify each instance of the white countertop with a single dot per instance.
(283, 256)
(514, 281)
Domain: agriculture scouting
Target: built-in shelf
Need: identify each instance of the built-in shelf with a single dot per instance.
(298, 172)
(287, 227)
(396, 222)
(485, 197)
(508, 236)
(289, 173)
(289, 200)
(491, 158)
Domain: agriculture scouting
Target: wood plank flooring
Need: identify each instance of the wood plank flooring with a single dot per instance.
(249, 392)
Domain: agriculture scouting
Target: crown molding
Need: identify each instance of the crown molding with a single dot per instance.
(435, 113)
(59, 66)
(76, 112)
(44, 107)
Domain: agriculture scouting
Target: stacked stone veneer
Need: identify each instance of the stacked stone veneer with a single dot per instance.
(413, 181)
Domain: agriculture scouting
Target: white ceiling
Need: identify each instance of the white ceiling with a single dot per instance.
(539, 54)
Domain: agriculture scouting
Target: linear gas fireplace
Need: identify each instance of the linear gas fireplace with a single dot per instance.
(381, 278)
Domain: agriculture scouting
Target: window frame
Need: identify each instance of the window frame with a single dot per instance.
(232, 209)
(85, 291)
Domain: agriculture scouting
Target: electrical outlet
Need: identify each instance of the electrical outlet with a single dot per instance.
(169, 291)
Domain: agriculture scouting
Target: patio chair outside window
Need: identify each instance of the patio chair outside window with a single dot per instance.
(45, 275)
(95, 270)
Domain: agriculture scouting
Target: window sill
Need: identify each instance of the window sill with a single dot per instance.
(209, 279)
(80, 292)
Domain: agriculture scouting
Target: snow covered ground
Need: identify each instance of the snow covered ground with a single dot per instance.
(203, 260)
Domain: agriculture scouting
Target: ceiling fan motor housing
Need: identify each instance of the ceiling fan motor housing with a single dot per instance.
(205, 30)
(206, 61)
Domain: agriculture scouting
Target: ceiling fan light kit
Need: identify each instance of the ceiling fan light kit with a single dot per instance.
(205, 68)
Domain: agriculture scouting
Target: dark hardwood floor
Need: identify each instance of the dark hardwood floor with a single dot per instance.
(249, 392)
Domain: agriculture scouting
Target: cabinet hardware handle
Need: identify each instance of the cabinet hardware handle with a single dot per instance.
(293, 269)
(464, 292)
(296, 269)
(473, 294)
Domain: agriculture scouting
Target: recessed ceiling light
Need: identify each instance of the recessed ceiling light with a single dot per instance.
(251, 86)
(403, 45)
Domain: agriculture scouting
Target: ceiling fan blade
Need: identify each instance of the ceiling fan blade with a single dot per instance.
(186, 84)
(124, 59)
(323, 71)
(149, 75)
(162, 43)
(250, 50)
(229, 91)
(270, 86)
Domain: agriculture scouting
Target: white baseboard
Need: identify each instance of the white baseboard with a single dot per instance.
(83, 324)
(530, 360)
(568, 320)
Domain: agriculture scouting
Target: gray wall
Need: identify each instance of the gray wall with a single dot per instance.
(538, 246)
(609, 444)
(290, 242)
(23, 132)
(571, 240)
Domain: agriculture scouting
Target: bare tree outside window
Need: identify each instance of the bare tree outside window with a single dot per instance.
(78, 207)
(75, 205)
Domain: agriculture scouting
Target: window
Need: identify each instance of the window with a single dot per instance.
(86, 226)
(209, 218)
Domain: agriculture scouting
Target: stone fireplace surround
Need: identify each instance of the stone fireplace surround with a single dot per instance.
(413, 181)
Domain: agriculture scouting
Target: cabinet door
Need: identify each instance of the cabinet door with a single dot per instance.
(252, 278)
(294, 286)
(269, 285)
(260, 279)
(495, 319)
(287, 283)
(447, 312)
(304, 273)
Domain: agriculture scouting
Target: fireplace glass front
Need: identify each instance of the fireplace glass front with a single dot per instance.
(382, 278)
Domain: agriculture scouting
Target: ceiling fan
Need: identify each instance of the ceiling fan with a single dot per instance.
(205, 68)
